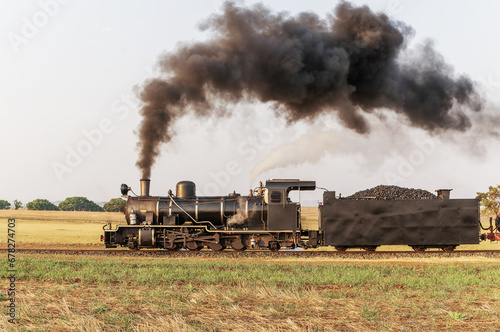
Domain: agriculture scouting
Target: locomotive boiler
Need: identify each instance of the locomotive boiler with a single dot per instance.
(185, 207)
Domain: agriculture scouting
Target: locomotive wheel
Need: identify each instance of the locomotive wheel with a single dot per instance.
(239, 248)
(238, 245)
(134, 245)
(193, 245)
(216, 246)
(341, 249)
(274, 246)
(174, 247)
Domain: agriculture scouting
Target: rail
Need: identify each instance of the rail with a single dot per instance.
(248, 253)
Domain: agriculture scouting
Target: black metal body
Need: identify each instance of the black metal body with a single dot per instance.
(215, 210)
(284, 214)
(187, 220)
(270, 220)
(439, 223)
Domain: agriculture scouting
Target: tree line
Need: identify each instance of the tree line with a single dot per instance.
(6, 205)
(69, 204)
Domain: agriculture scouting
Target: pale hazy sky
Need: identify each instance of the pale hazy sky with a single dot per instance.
(69, 111)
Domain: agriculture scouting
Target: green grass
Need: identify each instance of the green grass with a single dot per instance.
(95, 293)
(369, 312)
(457, 315)
(441, 279)
(100, 308)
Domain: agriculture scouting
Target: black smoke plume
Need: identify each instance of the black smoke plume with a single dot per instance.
(348, 63)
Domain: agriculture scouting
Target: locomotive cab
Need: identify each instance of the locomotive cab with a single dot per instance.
(283, 214)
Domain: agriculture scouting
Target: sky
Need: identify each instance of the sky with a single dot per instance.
(70, 72)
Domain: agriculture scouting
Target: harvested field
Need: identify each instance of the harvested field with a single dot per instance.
(309, 217)
(58, 229)
(80, 216)
(205, 293)
(46, 234)
(103, 294)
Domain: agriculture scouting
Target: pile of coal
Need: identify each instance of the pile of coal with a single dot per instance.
(392, 192)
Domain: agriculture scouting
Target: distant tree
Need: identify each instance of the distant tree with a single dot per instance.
(4, 205)
(490, 201)
(79, 204)
(41, 204)
(115, 205)
(18, 204)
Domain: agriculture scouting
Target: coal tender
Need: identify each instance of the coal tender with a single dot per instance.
(420, 223)
(268, 219)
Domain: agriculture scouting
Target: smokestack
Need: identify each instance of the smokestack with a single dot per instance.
(145, 183)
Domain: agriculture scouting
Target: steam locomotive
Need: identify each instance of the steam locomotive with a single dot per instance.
(268, 219)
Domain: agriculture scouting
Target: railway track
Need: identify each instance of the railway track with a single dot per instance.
(255, 253)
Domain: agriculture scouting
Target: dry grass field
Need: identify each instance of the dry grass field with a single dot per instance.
(53, 234)
(57, 229)
(96, 293)
(309, 217)
(176, 293)
(78, 216)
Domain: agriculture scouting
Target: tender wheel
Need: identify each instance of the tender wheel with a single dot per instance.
(274, 246)
(341, 249)
(419, 248)
(216, 246)
(449, 248)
